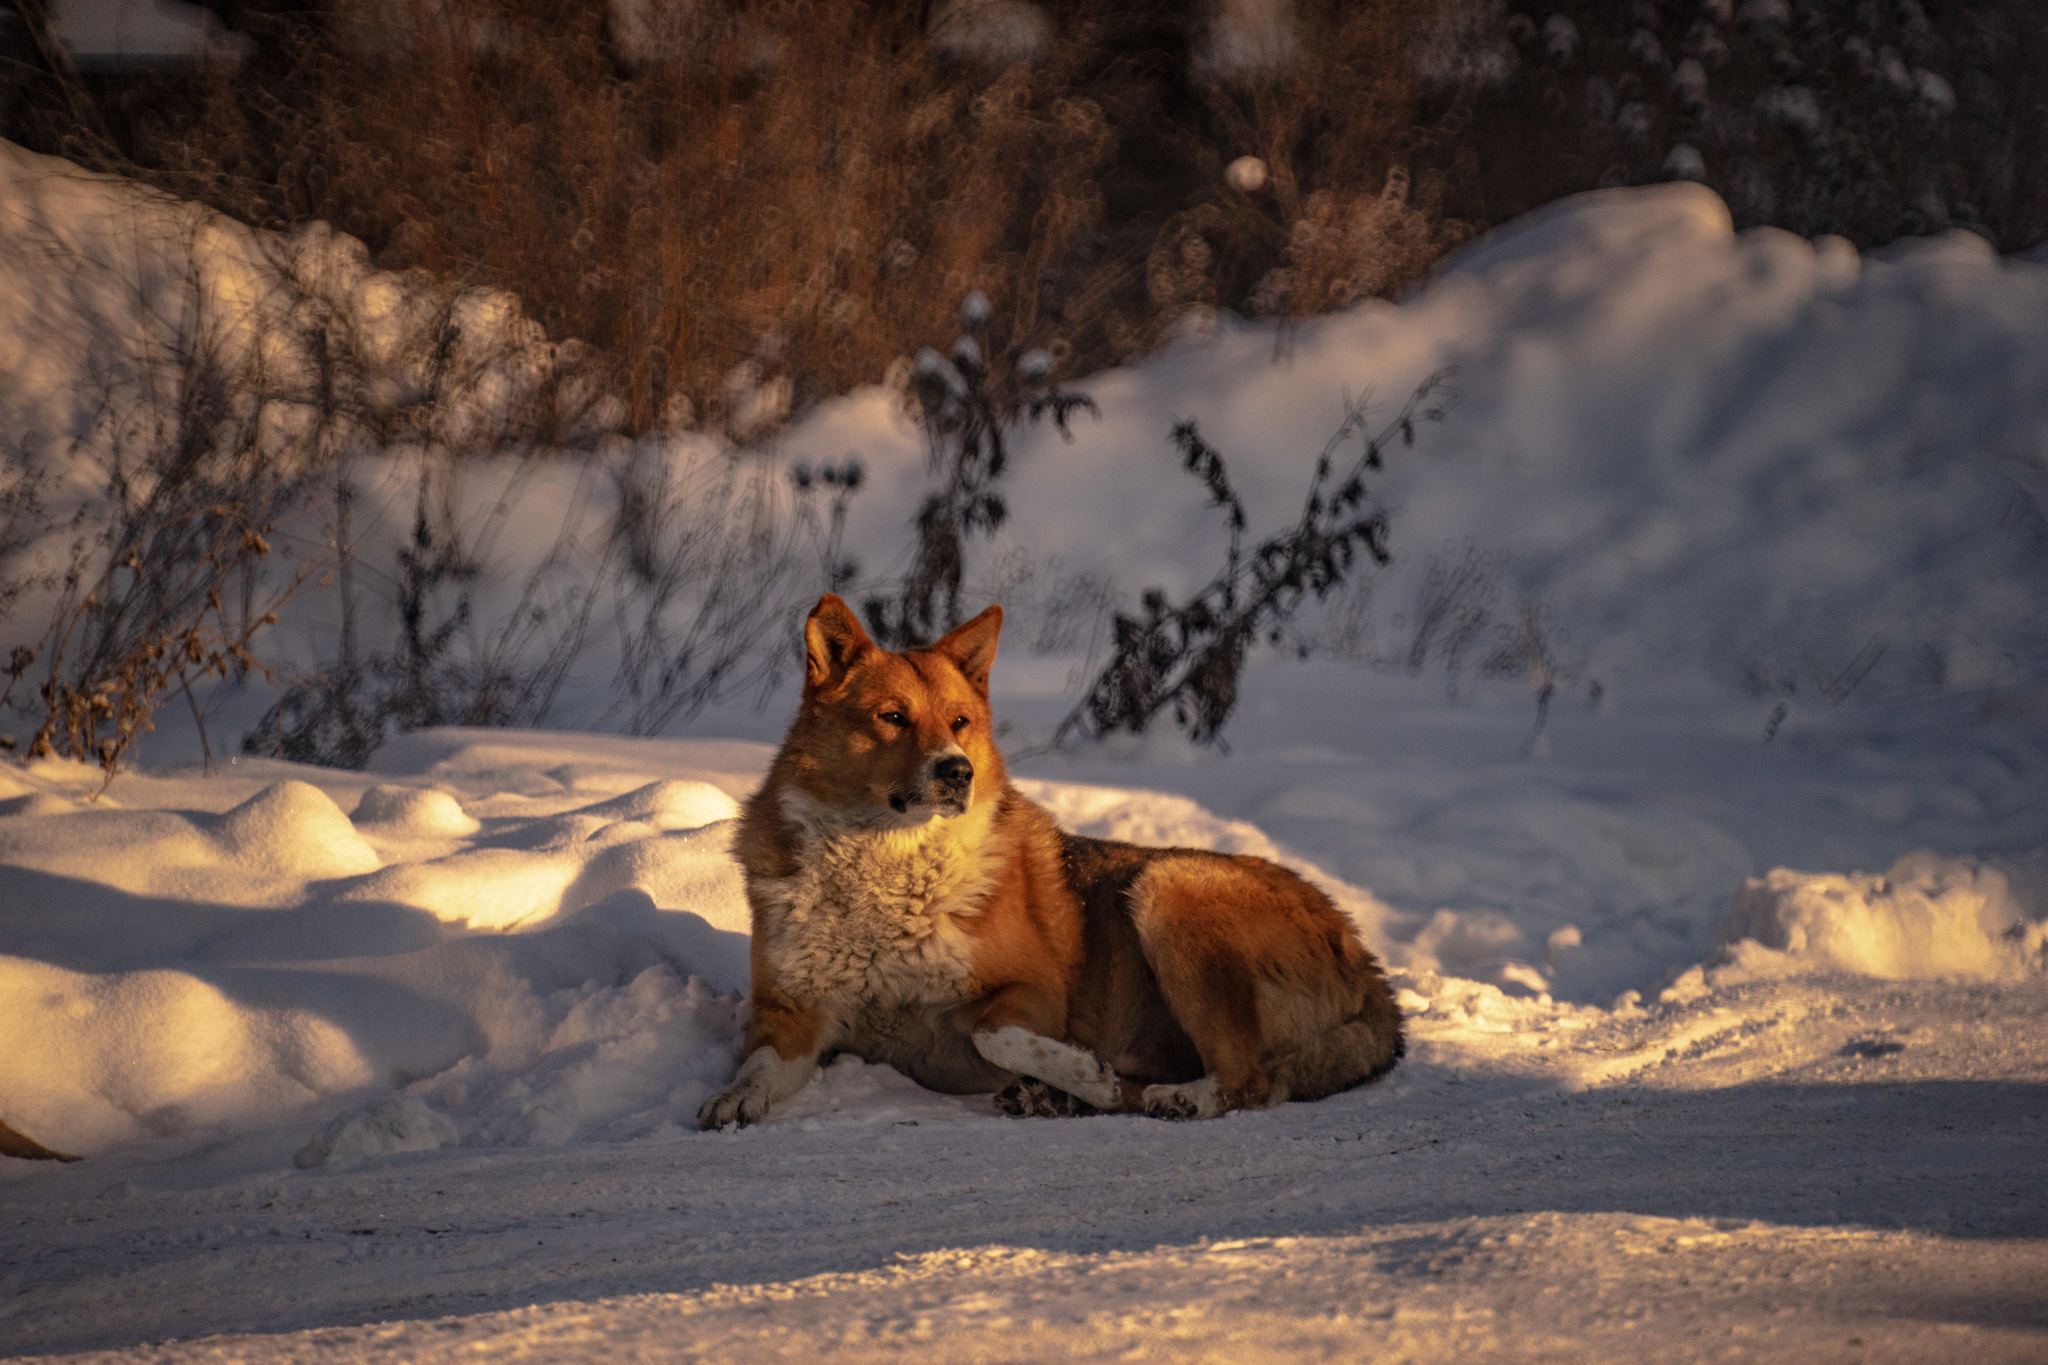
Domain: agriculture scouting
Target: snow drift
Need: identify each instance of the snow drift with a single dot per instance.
(1926, 917)
(191, 972)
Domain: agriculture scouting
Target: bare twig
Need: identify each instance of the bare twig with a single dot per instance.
(1188, 657)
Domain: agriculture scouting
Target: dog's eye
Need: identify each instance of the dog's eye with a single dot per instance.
(896, 718)
(959, 724)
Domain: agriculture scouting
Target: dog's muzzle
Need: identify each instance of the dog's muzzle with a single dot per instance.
(948, 786)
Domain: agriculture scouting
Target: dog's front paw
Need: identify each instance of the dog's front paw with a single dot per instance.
(1194, 1100)
(1025, 1098)
(765, 1080)
(743, 1102)
(1062, 1066)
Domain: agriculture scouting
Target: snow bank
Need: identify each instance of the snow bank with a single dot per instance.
(1927, 917)
(619, 1015)
(119, 1056)
(183, 972)
(1740, 456)
(538, 939)
(109, 286)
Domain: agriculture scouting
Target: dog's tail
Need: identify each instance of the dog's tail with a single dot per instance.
(13, 1143)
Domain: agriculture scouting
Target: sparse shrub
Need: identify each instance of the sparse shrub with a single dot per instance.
(684, 584)
(1188, 657)
(1528, 648)
(1347, 247)
(201, 449)
(967, 404)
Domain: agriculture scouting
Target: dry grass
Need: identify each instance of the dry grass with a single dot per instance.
(745, 205)
(790, 197)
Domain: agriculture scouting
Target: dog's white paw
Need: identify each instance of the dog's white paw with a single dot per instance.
(1192, 1100)
(764, 1080)
(1063, 1066)
(742, 1102)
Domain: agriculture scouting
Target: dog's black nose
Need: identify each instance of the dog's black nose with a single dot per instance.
(955, 771)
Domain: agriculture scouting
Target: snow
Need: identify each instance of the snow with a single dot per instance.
(1409, 1292)
(305, 1113)
(1742, 461)
(1724, 989)
(1927, 917)
(198, 971)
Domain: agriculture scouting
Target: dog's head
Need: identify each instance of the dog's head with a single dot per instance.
(894, 739)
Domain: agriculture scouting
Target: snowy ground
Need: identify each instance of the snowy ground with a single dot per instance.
(314, 1097)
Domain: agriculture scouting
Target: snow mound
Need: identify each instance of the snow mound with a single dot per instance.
(402, 1123)
(671, 804)
(414, 811)
(600, 1028)
(619, 1062)
(561, 864)
(1599, 224)
(36, 803)
(263, 852)
(119, 1056)
(622, 1017)
(1746, 458)
(1927, 917)
(293, 829)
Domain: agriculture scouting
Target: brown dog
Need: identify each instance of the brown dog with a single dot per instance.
(910, 907)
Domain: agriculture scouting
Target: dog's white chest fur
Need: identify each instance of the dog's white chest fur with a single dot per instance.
(870, 914)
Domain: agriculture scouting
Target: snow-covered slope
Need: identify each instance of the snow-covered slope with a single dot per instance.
(1746, 461)
(1744, 457)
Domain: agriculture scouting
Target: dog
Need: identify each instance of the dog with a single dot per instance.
(912, 908)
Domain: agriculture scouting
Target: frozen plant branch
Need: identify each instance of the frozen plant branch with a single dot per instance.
(1187, 658)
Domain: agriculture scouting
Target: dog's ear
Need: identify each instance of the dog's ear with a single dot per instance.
(833, 643)
(972, 647)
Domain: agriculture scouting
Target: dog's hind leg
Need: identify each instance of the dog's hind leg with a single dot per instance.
(1267, 978)
(1189, 916)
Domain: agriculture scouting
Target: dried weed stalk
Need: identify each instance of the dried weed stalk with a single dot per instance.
(1187, 658)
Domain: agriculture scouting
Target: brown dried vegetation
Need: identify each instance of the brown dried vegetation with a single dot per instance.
(746, 205)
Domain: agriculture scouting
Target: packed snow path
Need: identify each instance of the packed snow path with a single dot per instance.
(1447, 1212)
